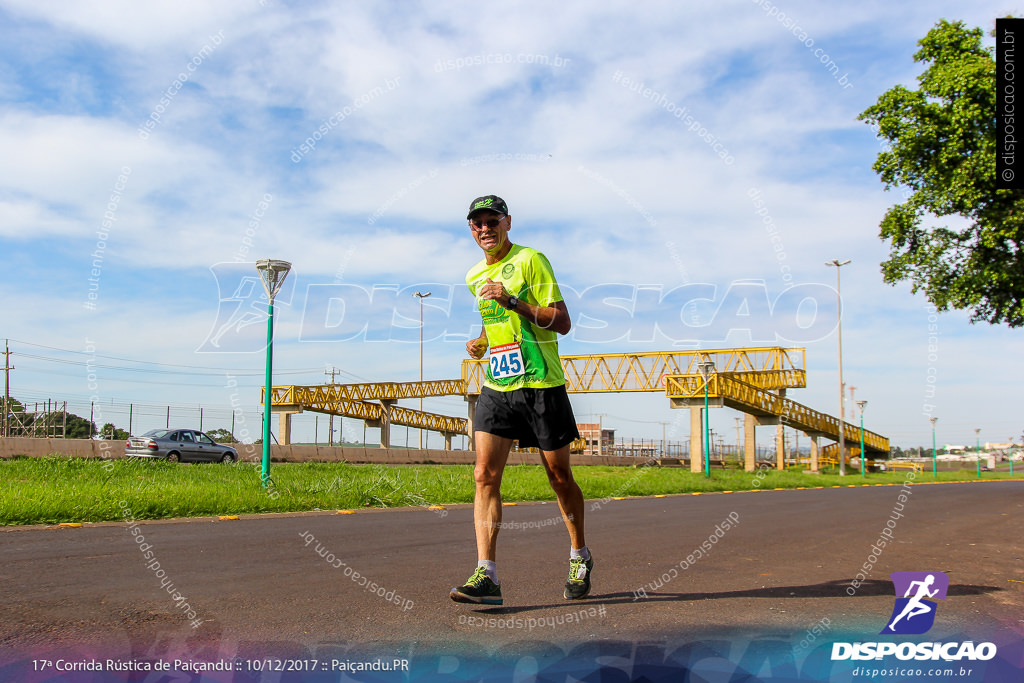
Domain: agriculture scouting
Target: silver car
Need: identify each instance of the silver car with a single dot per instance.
(178, 445)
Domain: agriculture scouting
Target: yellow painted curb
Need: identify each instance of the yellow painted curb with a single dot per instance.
(618, 498)
(436, 507)
(70, 525)
(227, 518)
(509, 504)
(659, 495)
(346, 512)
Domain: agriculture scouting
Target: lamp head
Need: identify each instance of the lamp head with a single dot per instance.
(705, 368)
(272, 274)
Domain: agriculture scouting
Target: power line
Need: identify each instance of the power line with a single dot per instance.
(206, 369)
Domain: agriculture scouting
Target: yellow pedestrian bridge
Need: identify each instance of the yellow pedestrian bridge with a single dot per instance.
(753, 381)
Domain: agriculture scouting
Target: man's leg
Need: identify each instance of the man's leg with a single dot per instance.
(570, 502)
(570, 497)
(491, 456)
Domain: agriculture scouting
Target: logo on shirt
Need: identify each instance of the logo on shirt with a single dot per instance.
(508, 270)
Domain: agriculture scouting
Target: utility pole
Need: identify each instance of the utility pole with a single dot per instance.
(7, 387)
(739, 441)
(421, 296)
(842, 393)
(330, 428)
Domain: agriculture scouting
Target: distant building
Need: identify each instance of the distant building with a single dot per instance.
(589, 433)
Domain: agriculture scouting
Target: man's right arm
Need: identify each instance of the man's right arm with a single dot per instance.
(477, 347)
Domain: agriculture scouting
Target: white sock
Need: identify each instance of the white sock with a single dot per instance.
(583, 552)
(490, 568)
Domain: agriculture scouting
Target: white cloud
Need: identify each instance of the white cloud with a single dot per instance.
(140, 27)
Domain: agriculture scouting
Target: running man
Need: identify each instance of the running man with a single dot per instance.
(914, 606)
(523, 396)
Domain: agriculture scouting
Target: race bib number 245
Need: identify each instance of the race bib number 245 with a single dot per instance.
(507, 361)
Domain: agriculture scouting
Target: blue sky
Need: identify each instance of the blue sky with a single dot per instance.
(155, 150)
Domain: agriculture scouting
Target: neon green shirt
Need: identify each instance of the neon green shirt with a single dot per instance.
(522, 354)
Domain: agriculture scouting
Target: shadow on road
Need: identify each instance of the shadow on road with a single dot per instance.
(830, 589)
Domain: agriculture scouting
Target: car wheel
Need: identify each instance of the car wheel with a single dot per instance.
(228, 458)
(173, 457)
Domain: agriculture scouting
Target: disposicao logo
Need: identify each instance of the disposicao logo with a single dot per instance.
(914, 614)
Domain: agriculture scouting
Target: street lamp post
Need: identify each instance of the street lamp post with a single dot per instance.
(935, 468)
(272, 274)
(977, 449)
(861, 404)
(421, 296)
(842, 402)
(706, 368)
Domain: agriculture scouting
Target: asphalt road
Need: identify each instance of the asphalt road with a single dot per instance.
(258, 587)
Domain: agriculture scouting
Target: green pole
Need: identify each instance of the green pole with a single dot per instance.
(862, 442)
(267, 396)
(977, 449)
(707, 436)
(935, 467)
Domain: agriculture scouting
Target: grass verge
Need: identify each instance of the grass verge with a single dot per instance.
(59, 489)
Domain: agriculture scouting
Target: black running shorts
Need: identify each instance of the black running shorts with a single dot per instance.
(537, 418)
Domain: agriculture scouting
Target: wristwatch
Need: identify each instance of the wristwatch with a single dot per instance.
(513, 301)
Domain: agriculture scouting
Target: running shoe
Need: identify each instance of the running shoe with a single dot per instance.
(479, 589)
(578, 585)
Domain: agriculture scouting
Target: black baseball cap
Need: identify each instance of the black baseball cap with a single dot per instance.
(491, 202)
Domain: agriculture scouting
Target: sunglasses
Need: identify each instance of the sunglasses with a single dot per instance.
(492, 223)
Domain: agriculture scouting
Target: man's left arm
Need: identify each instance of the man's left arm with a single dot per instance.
(554, 317)
(550, 311)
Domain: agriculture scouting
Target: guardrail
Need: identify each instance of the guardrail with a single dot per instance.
(751, 399)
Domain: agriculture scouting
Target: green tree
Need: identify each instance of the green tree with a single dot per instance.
(109, 431)
(15, 410)
(942, 148)
(221, 436)
(77, 427)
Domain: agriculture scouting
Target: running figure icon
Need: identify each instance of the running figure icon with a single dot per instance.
(915, 606)
(920, 590)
